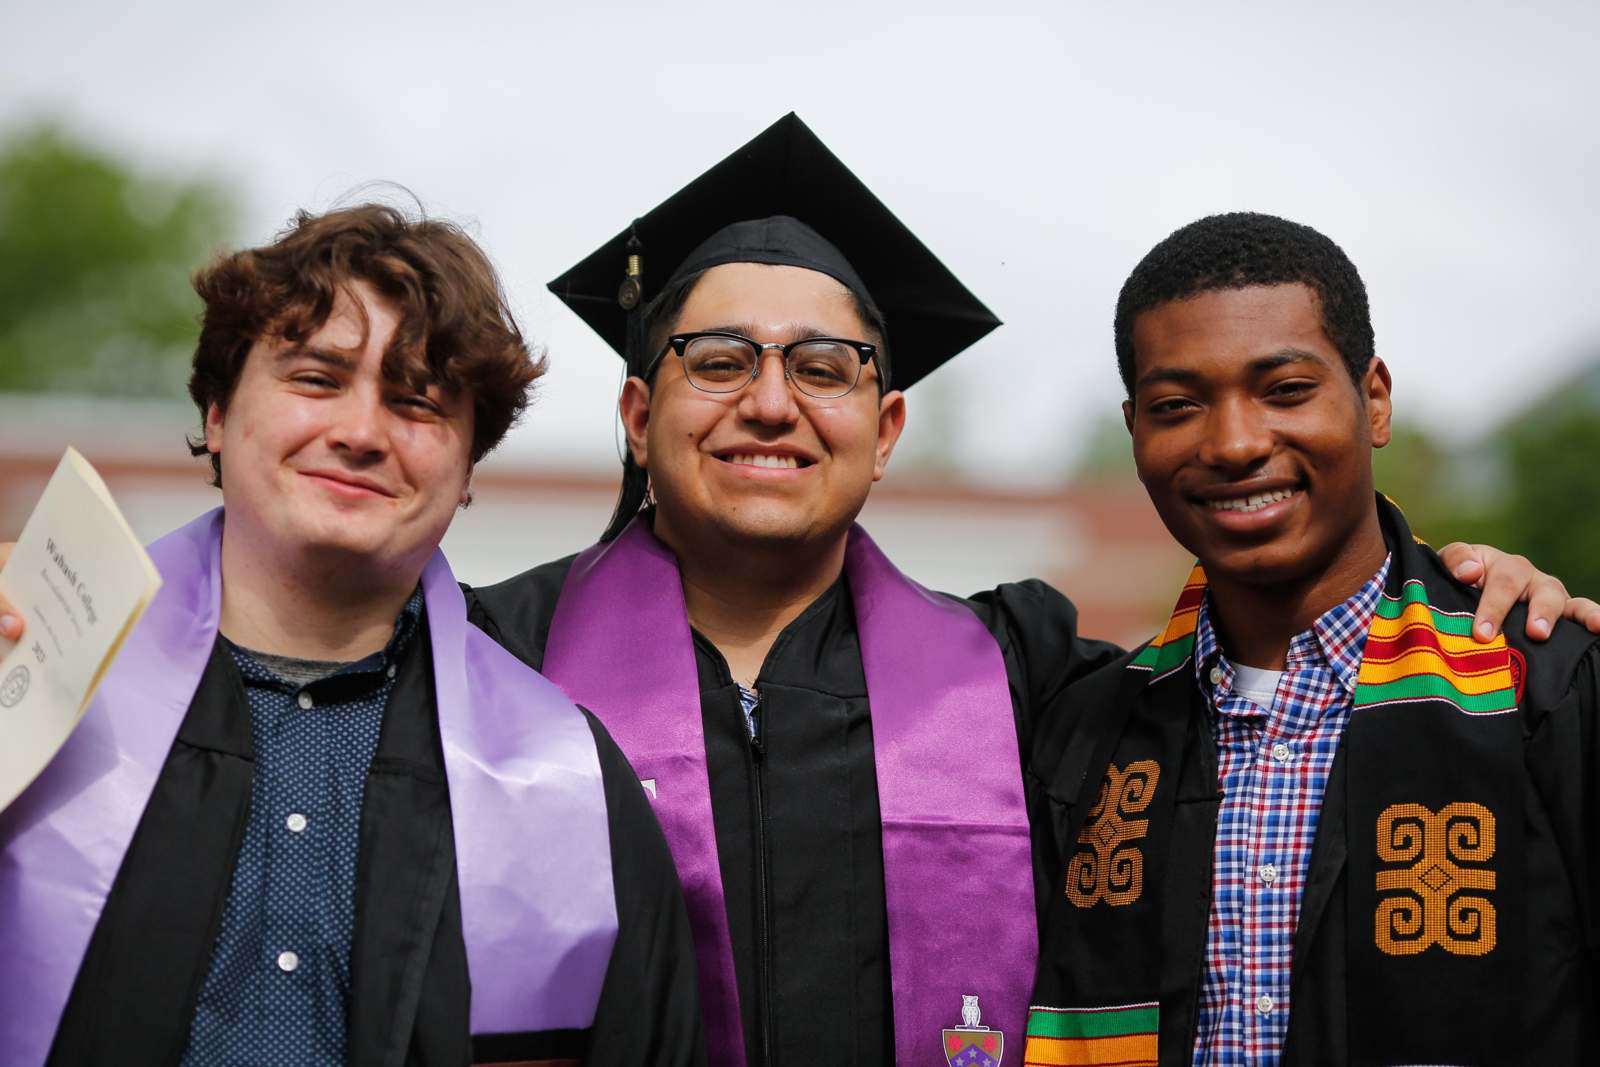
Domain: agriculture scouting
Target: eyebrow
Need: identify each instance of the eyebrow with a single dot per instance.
(1182, 376)
(321, 355)
(1284, 358)
(800, 331)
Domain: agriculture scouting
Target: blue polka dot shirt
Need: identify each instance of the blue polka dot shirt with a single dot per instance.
(279, 982)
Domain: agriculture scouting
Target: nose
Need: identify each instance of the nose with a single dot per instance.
(358, 430)
(1237, 438)
(768, 398)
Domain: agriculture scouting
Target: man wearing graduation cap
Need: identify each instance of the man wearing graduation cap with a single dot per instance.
(833, 751)
(313, 816)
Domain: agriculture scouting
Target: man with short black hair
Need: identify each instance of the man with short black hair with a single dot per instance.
(1313, 820)
(313, 815)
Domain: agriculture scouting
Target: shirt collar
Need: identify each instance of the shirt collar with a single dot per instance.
(1338, 636)
(405, 626)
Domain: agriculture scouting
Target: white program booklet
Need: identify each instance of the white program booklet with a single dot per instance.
(80, 579)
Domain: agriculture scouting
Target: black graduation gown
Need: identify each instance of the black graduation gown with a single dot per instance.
(1560, 993)
(136, 990)
(796, 818)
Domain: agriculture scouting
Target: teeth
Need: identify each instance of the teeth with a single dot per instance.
(751, 459)
(1254, 502)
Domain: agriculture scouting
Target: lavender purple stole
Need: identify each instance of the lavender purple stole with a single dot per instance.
(957, 874)
(524, 782)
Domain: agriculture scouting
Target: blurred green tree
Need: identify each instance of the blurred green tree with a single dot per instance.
(1550, 507)
(1416, 472)
(1107, 455)
(94, 267)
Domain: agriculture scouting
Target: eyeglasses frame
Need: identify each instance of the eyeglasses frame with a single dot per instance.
(679, 344)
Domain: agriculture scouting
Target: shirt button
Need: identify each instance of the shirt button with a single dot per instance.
(304, 700)
(295, 822)
(288, 961)
(1269, 874)
(1280, 752)
(1216, 675)
(392, 670)
(1264, 1004)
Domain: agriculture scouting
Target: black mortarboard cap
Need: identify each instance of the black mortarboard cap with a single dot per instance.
(784, 198)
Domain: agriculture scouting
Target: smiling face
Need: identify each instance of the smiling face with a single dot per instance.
(1252, 439)
(325, 462)
(765, 464)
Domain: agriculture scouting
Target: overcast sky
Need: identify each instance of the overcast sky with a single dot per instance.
(1039, 149)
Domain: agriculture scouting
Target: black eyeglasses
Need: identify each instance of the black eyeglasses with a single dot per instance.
(717, 362)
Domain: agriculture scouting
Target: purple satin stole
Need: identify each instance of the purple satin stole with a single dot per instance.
(957, 866)
(524, 782)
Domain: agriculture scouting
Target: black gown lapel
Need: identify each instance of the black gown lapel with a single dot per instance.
(1328, 857)
(406, 867)
(1318, 1017)
(136, 990)
(1186, 889)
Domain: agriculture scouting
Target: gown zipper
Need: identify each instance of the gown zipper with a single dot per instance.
(763, 892)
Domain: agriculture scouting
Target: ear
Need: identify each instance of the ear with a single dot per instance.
(1127, 416)
(466, 486)
(214, 416)
(1376, 388)
(634, 408)
(891, 421)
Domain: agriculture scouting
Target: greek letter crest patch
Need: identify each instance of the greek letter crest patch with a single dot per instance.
(971, 1044)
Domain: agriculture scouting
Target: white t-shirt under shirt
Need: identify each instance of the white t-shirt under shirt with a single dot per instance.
(1256, 684)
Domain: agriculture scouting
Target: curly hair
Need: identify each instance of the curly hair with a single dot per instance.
(456, 329)
(1242, 249)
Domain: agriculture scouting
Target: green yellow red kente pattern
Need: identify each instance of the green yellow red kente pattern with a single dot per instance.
(1415, 651)
(1117, 1036)
(1172, 645)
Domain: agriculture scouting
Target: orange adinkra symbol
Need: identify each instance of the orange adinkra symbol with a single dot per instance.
(1438, 894)
(1108, 867)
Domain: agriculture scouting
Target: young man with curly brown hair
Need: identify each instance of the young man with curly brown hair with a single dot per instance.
(314, 816)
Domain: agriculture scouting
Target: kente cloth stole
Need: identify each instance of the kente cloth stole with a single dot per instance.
(956, 862)
(1435, 904)
(524, 780)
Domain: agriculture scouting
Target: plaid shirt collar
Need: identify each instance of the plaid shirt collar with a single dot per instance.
(1337, 637)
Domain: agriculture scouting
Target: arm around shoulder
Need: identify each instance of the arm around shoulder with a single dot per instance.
(1040, 626)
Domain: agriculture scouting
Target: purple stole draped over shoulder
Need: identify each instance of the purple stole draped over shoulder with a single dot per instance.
(957, 878)
(525, 792)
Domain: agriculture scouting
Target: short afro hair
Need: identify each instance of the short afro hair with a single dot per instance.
(1241, 249)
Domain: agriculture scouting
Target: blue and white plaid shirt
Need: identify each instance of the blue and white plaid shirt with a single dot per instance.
(1272, 767)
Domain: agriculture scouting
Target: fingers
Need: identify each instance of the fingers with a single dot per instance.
(10, 617)
(1584, 612)
(1547, 600)
(1507, 579)
(1462, 561)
